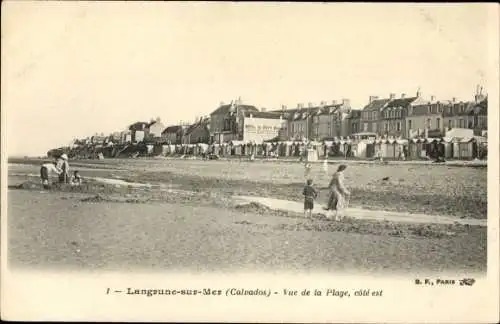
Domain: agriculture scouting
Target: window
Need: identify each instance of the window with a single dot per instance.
(365, 127)
(374, 127)
(386, 127)
(398, 126)
(462, 123)
(450, 123)
(429, 123)
(438, 123)
(409, 124)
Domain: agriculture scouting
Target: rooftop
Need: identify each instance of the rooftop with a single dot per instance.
(224, 109)
(377, 104)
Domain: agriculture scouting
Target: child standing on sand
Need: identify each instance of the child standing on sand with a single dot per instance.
(310, 194)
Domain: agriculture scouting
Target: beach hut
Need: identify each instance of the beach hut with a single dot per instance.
(361, 148)
(415, 147)
(236, 148)
(400, 148)
(224, 149)
(448, 147)
(431, 146)
(466, 146)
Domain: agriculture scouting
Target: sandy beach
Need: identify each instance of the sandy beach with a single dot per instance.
(176, 215)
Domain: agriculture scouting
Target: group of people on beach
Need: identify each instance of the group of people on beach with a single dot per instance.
(338, 199)
(61, 168)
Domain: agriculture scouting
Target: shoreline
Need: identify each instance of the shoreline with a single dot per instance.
(100, 163)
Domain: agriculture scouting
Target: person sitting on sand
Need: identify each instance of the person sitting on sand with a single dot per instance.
(338, 192)
(45, 171)
(309, 195)
(76, 180)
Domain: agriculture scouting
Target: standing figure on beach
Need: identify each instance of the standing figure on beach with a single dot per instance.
(325, 166)
(309, 195)
(307, 169)
(339, 194)
(46, 170)
(62, 164)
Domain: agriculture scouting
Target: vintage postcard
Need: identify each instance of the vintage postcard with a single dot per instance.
(250, 162)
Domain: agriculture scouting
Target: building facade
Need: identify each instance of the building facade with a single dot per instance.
(173, 134)
(331, 120)
(197, 133)
(393, 117)
(262, 126)
(316, 122)
(156, 127)
(425, 118)
(226, 122)
(371, 115)
(354, 121)
(139, 131)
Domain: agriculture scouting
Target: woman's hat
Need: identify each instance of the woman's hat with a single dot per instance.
(64, 157)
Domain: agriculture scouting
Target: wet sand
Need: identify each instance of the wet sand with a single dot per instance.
(182, 216)
(73, 231)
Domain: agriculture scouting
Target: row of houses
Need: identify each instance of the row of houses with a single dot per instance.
(403, 117)
(390, 117)
(416, 116)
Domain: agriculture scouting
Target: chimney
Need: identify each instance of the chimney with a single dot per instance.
(372, 98)
(392, 96)
(334, 102)
(433, 98)
(403, 95)
(283, 107)
(453, 99)
(346, 102)
(263, 109)
(310, 104)
(222, 103)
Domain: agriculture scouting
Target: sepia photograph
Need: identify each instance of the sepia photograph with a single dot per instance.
(222, 138)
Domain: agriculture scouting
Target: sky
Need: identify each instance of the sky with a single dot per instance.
(70, 70)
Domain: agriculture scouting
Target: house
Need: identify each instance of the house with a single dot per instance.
(299, 123)
(331, 120)
(226, 122)
(478, 117)
(260, 126)
(139, 131)
(393, 116)
(126, 136)
(199, 132)
(156, 127)
(174, 134)
(456, 114)
(371, 113)
(425, 118)
(354, 121)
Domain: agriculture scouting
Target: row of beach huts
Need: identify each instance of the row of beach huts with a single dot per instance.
(448, 148)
